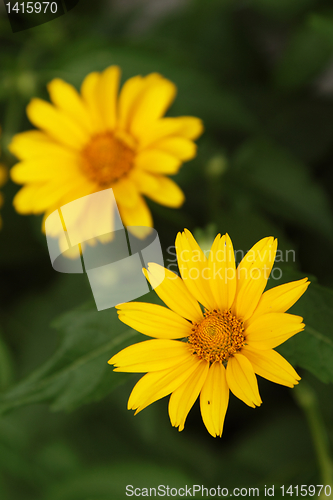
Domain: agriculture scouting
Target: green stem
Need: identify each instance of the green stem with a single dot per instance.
(306, 398)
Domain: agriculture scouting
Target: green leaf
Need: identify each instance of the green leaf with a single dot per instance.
(283, 9)
(312, 349)
(6, 365)
(108, 482)
(284, 186)
(306, 55)
(78, 372)
(198, 94)
(323, 25)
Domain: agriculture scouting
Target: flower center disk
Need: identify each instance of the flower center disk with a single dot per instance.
(217, 337)
(106, 159)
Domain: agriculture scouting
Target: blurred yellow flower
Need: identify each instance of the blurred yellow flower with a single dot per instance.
(224, 344)
(96, 140)
(3, 180)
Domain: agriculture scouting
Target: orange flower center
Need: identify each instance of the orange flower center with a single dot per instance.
(217, 337)
(106, 159)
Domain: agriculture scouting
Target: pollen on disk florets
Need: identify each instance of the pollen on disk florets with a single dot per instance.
(217, 337)
(106, 159)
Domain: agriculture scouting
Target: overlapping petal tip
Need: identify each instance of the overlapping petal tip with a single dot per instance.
(280, 298)
(36, 144)
(252, 275)
(67, 99)
(180, 147)
(188, 127)
(39, 170)
(151, 355)
(154, 320)
(157, 162)
(272, 366)
(193, 267)
(172, 290)
(157, 385)
(184, 397)
(272, 329)
(89, 91)
(57, 124)
(156, 96)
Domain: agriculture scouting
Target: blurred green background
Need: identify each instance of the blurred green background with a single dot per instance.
(260, 75)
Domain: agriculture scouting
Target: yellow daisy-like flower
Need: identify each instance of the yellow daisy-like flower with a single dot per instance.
(225, 341)
(3, 180)
(98, 139)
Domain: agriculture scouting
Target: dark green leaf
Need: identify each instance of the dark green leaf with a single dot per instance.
(305, 56)
(109, 482)
(312, 349)
(284, 185)
(78, 371)
(198, 94)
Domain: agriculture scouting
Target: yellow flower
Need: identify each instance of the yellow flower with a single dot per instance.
(224, 343)
(3, 180)
(96, 140)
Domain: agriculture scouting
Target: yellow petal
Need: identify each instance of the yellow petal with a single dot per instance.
(183, 126)
(153, 320)
(52, 196)
(24, 199)
(252, 275)
(52, 193)
(66, 98)
(281, 298)
(157, 162)
(193, 267)
(168, 193)
(125, 192)
(45, 169)
(156, 97)
(183, 398)
(58, 125)
(90, 93)
(138, 215)
(150, 355)
(173, 292)
(222, 272)
(108, 96)
(127, 99)
(81, 187)
(157, 385)
(214, 399)
(242, 381)
(272, 366)
(145, 181)
(35, 144)
(272, 329)
(180, 147)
